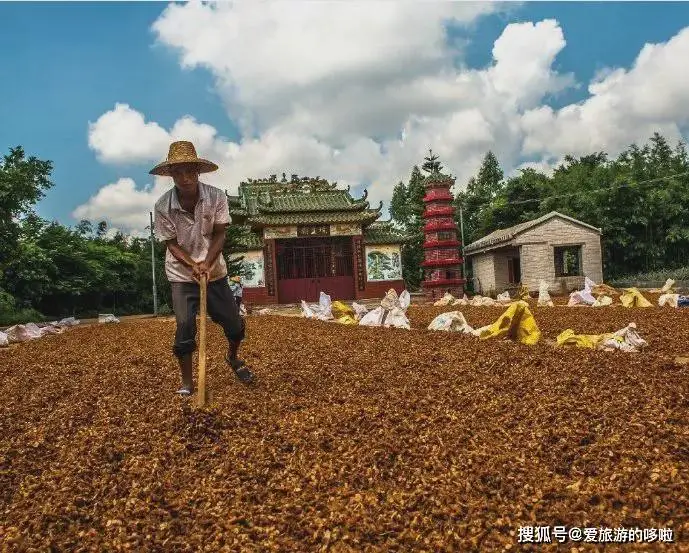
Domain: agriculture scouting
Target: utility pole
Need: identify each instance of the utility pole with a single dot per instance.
(461, 230)
(153, 267)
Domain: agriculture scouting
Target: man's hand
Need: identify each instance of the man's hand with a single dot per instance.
(200, 269)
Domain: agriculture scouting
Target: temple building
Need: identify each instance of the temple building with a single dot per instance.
(307, 236)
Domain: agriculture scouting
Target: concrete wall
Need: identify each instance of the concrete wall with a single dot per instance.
(483, 269)
(538, 254)
(502, 272)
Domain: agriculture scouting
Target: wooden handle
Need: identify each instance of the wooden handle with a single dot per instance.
(201, 396)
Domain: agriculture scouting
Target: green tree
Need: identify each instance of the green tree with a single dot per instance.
(398, 205)
(431, 164)
(476, 199)
(23, 182)
(235, 238)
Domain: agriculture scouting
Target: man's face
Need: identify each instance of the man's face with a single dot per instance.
(186, 177)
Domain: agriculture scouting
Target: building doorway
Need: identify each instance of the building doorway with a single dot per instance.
(307, 266)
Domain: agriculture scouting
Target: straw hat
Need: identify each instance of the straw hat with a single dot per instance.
(182, 152)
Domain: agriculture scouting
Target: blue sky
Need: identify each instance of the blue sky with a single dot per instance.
(68, 64)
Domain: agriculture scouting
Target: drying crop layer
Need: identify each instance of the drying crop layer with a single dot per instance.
(354, 439)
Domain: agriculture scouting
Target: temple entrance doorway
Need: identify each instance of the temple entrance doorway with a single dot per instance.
(307, 266)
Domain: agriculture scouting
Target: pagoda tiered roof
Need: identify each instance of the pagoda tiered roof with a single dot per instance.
(300, 201)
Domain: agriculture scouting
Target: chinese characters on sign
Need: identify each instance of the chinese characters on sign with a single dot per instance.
(359, 251)
(268, 257)
(543, 534)
(322, 230)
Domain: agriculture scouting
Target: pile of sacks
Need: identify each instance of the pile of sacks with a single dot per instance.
(501, 299)
(600, 295)
(583, 297)
(626, 339)
(32, 331)
(670, 297)
(476, 301)
(516, 323)
(390, 313)
(107, 318)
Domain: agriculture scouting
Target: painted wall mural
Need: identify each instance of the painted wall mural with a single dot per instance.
(254, 269)
(383, 263)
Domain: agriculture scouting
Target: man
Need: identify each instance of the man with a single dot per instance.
(191, 219)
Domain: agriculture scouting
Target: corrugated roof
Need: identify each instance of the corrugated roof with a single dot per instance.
(505, 235)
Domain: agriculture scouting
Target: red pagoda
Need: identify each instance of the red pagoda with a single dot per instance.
(442, 260)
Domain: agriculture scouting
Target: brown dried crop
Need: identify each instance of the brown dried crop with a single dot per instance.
(354, 439)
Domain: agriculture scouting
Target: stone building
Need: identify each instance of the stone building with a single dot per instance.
(307, 236)
(555, 248)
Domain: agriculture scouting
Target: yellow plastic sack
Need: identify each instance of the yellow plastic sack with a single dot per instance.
(569, 338)
(626, 339)
(340, 309)
(602, 301)
(633, 298)
(347, 320)
(517, 323)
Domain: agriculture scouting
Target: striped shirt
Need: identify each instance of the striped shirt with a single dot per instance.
(193, 231)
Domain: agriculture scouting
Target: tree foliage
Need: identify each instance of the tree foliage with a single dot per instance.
(406, 211)
(63, 271)
(640, 200)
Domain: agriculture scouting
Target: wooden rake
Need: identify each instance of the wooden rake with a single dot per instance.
(201, 395)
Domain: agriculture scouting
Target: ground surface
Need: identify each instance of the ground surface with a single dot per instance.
(355, 438)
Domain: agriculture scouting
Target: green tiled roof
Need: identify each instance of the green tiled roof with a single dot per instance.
(382, 232)
(316, 218)
(298, 201)
(331, 200)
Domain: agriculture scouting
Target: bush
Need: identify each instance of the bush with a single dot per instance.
(164, 310)
(10, 314)
(681, 273)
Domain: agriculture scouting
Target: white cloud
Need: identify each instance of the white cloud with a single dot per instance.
(122, 135)
(336, 90)
(624, 106)
(122, 205)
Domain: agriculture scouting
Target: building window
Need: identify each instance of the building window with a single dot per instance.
(568, 261)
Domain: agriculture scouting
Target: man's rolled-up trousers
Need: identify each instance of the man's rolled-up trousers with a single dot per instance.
(221, 307)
